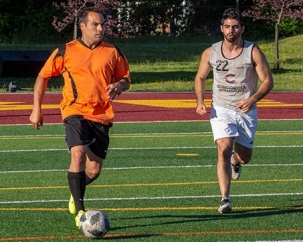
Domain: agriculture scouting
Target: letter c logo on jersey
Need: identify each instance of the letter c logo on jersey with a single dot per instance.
(229, 78)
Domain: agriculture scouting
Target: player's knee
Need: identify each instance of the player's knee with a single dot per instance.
(243, 158)
(224, 154)
(224, 147)
(93, 173)
(78, 155)
(246, 159)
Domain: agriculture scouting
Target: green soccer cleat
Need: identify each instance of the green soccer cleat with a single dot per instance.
(71, 205)
(78, 217)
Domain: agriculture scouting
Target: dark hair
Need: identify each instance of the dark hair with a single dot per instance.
(83, 14)
(232, 13)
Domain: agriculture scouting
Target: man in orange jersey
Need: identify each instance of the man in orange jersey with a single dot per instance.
(95, 73)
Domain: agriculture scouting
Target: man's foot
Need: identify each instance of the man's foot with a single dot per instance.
(78, 217)
(236, 171)
(225, 206)
(71, 205)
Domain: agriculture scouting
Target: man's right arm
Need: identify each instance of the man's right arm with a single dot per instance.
(36, 116)
(200, 81)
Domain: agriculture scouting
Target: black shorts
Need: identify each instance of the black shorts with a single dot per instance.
(79, 131)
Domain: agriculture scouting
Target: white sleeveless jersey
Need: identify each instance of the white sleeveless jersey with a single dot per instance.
(234, 79)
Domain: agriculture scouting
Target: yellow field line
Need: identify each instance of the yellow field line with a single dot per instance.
(152, 184)
(41, 238)
(204, 208)
(143, 235)
(284, 133)
(260, 133)
(32, 137)
(166, 103)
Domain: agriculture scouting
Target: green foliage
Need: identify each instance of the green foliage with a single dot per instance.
(259, 30)
(162, 63)
(30, 21)
(22, 23)
(290, 27)
(27, 22)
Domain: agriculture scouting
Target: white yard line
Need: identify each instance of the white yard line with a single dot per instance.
(150, 167)
(154, 198)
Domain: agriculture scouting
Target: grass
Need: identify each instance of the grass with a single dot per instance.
(158, 184)
(171, 64)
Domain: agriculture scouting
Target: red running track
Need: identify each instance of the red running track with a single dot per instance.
(15, 108)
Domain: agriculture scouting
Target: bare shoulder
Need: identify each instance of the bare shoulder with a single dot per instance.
(206, 53)
(207, 50)
(260, 61)
(257, 54)
(204, 65)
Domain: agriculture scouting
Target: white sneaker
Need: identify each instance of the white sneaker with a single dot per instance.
(236, 171)
(225, 206)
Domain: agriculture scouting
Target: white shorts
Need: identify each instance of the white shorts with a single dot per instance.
(229, 123)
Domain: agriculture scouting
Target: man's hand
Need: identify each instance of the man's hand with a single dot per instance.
(201, 109)
(36, 119)
(246, 104)
(115, 89)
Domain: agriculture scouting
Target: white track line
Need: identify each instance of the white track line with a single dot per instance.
(152, 148)
(151, 167)
(143, 134)
(273, 241)
(154, 198)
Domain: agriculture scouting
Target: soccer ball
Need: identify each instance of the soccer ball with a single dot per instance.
(94, 224)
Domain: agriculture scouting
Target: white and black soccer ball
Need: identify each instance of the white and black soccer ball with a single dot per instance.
(94, 224)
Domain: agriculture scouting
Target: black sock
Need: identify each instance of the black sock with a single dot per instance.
(77, 184)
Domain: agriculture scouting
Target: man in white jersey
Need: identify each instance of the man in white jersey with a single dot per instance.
(237, 65)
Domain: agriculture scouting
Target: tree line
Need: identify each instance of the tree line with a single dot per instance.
(55, 21)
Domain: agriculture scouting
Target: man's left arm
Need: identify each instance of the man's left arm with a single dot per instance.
(121, 79)
(116, 88)
(264, 74)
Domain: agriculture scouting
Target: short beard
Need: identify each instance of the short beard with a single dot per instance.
(233, 39)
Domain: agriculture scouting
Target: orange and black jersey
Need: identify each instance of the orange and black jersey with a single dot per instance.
(87, 72)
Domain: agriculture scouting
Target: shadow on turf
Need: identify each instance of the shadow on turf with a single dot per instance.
(242, 214)
(261, 212)
(128, 236)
